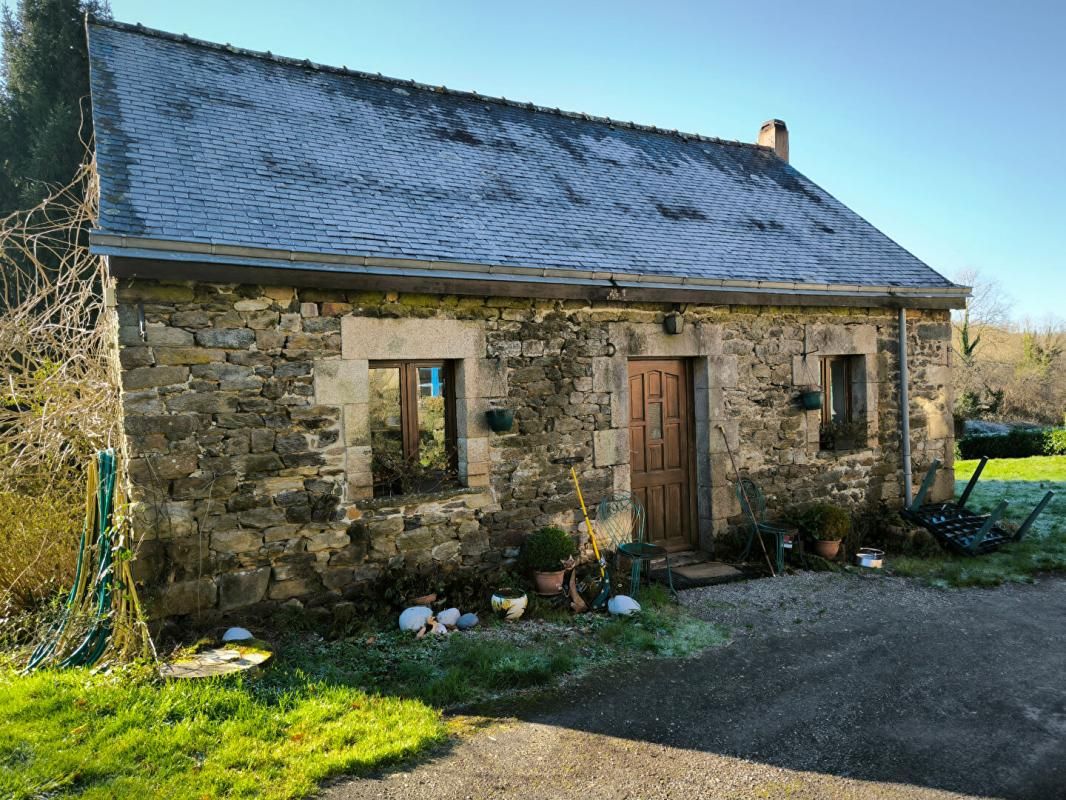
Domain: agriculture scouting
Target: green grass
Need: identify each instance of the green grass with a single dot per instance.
(1022, 482)
(73, 734)
(323, 708)
(1049, 469)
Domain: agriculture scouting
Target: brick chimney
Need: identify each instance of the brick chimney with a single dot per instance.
(774, 134)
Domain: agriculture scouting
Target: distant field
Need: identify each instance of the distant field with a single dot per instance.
(1035, 468)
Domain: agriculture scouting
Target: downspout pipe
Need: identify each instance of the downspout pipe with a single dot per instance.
(905, 409)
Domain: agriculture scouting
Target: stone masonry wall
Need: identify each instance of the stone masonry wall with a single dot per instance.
(245, 432)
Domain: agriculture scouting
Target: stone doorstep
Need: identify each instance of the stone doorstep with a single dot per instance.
(691, 569)
(680, 559)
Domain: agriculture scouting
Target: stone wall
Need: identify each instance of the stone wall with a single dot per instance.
(245, 415)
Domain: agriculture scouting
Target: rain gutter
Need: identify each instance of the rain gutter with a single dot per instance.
(164, 250)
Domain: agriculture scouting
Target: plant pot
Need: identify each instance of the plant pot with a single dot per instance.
(827, 549)
(811, 400)
(674, 323)
(500, 419)
(549, 583)
(509, 604)
(423, 600)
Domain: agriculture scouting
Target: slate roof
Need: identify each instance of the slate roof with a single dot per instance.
(205, 143)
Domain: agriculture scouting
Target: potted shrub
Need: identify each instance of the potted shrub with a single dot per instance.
(544, 552)
(826, 525)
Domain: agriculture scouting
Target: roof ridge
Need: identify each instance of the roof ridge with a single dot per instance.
(183, 38)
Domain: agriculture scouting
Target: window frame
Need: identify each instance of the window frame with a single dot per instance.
(853, 431)
(827, 388)
(409, 387)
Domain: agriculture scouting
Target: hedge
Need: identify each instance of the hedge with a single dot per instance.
(1020, 443)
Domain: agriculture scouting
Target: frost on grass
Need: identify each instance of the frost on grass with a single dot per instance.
(1022, 482)
(501, 658)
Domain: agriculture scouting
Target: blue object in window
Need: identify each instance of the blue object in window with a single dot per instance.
(429, 382)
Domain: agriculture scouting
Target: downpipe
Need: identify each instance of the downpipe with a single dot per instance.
(905, 409)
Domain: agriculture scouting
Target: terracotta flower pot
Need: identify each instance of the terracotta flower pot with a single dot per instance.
(424, 600)
(827, 550)
(549, 583)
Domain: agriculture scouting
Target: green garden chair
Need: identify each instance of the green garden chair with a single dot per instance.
(621, 519)
(753, 504)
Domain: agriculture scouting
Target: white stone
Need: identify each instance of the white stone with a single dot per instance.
(449, 617)
(414, 618)
(237, 635)
(622, 605)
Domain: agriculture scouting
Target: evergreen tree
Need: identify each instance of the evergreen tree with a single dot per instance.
(45, 121)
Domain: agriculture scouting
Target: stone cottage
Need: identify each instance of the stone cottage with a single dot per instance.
(325, 279)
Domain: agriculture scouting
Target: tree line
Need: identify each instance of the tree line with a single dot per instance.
(1006, 371)
(45, 116)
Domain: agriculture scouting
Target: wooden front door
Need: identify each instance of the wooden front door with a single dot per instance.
(660, 442)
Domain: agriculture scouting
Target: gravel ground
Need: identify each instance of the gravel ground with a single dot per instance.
(815, 599)
(835, 686)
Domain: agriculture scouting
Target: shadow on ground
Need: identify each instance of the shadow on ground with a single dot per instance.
(835, 687)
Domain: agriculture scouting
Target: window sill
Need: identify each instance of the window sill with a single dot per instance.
(845, 451)
(390, 501)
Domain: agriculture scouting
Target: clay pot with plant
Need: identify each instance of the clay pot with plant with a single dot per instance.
(826, 525)
(544, 552)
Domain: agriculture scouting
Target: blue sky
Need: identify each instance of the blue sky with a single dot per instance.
(943, 123)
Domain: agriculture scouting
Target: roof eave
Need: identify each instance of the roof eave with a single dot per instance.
(175, 260)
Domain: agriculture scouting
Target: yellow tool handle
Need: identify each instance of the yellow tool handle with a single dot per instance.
(585, 514)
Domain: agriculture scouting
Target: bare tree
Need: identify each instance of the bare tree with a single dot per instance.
(59, 404)
(988, 307)
(977, 390)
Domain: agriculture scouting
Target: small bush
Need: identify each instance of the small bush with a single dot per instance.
(1016, 444)
(823, 521)
(545, 550)
(38, 543)
(1055, 442)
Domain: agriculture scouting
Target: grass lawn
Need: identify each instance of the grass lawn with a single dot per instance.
(1022, 482)
(323, 708)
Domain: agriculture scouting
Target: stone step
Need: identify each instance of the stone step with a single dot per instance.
(698, 573)
(680, 559)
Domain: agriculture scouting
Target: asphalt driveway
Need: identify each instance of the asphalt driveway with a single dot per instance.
(834, 687)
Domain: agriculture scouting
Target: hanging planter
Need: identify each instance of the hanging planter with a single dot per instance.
(500, 420)
(674, 323)
(811, 399)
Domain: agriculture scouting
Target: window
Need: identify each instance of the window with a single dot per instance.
(412, 426)
(843, 413)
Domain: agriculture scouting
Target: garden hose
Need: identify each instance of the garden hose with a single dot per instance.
(100, 541)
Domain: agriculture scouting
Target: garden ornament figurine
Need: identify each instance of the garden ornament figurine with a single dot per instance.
(577, 602)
